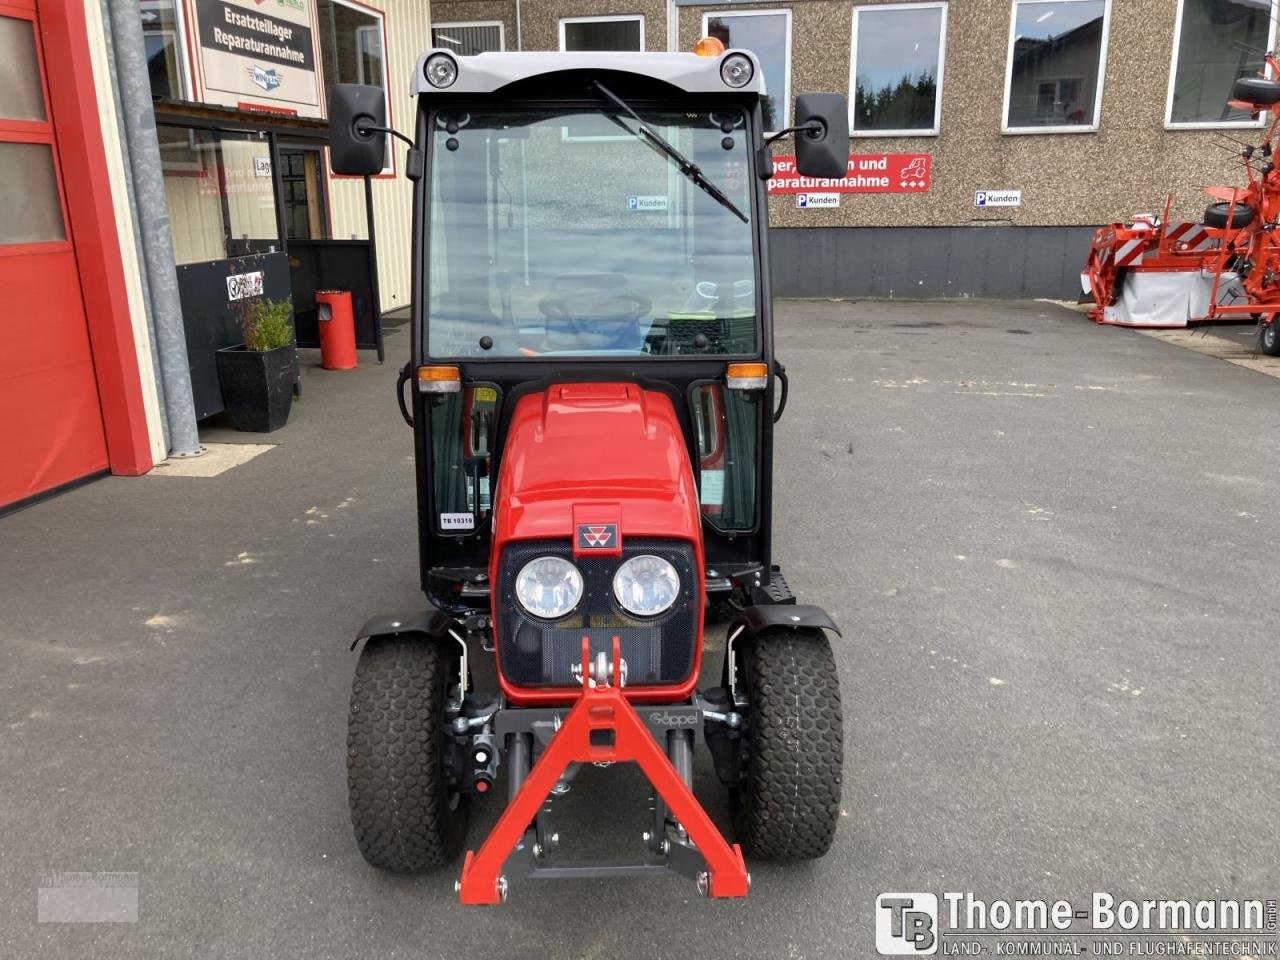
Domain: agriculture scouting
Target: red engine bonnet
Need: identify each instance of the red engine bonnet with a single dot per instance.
(596, 453)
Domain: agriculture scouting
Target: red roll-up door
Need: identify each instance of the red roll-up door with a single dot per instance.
(51, 429)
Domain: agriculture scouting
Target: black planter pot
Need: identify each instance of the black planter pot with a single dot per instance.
(257, 386)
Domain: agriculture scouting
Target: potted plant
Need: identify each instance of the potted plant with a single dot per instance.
(257, 376)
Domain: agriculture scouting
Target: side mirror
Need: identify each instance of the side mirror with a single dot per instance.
(824, 153)
(356, 147)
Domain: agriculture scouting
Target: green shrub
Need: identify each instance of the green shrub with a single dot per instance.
(266, 323)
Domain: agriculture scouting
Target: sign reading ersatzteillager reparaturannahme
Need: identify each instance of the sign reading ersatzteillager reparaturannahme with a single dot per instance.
(259, 55)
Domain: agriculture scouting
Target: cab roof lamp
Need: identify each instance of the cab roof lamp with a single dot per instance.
(708, 47)
(441, 70)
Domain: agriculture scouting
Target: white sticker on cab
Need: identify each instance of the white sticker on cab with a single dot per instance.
(457, 521)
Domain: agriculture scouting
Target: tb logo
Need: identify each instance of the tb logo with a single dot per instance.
(906, 923)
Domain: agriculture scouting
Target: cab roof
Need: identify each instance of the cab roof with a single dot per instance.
(484, 73)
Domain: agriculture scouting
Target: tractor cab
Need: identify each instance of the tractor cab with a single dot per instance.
(593, 391)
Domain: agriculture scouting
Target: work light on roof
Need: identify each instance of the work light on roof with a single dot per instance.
(737, 70)
(441, 70)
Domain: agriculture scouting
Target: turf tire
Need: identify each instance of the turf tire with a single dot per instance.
(400, 807)
(789, 803)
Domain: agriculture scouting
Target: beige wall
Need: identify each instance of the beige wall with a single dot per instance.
(1129, 164)
(408, 34)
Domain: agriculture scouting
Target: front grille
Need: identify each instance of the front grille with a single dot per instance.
(538, 653)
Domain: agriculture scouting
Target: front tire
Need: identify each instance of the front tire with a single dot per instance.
(404, 816)
(789, 803)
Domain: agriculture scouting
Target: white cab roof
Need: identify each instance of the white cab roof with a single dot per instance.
(490, 72)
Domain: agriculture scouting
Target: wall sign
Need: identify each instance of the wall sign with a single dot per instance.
(997, 198)
(806, 201)
(259, 54)
(867, 173)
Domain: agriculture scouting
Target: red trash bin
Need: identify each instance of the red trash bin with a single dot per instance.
(337, 324)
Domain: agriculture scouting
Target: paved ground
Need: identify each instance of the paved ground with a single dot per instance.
(1052, 546)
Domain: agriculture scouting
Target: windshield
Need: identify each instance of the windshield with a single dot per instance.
(560, 231)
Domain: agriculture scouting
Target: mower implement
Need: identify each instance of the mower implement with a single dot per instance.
(592, 390)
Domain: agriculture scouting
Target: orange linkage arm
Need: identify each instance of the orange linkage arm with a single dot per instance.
(600, 707)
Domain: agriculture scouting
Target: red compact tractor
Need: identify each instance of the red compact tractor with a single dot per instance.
(1149, 272)
(593, 393)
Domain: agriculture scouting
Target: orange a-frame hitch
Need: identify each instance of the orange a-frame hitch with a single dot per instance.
(620, 734)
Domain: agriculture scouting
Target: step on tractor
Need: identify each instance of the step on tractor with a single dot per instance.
(593, 391)
(1150, 272)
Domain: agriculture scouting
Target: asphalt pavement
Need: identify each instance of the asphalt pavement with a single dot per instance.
(1052, 548)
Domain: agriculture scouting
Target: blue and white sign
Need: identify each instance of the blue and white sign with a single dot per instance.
(997, 198)
(806, 201)
(656, 204)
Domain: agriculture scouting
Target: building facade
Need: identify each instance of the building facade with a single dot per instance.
(1080, 111)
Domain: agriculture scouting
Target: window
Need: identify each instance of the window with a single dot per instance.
(896, 71)
(352, 45)
(162, 39)
(1215, 42)
(602, 33)
(1057, 51)
(466, 39)
(767, 34)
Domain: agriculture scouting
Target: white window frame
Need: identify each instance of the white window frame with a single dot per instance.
(853, 69)
(180, 43)
(1102, 75)
(639, 17)
(770, 11)
(381, 18)
(1169, 123)
(502, 30)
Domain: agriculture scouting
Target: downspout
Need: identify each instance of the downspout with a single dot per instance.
(137, 240)
(519, 44)
(673, 26)
(133, 83)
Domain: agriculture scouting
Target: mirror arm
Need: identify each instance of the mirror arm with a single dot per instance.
(365, 129)
(815, 127)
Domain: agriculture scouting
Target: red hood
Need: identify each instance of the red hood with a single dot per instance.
(612, 449)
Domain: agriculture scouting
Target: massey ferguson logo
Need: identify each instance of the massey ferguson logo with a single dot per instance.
(597, 536)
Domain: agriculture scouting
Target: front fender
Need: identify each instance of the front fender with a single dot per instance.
(430, 622)
(756, 619)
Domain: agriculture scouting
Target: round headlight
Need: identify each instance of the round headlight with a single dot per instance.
(646, 585)
(441, 70)
(549, 587)
(737, 70)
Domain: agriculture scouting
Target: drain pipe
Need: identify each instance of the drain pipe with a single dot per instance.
(133, 83)
(519, 45)
(156, 375)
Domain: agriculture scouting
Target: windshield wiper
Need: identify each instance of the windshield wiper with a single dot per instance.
(687, 166)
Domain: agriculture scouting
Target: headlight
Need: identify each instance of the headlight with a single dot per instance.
(441, 70)
(549, 587)
(736, 70)
(646, 585)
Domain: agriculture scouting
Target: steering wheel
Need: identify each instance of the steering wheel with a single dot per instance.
(592, 318)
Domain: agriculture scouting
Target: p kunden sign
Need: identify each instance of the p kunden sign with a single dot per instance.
(259, 55)
(867, 173)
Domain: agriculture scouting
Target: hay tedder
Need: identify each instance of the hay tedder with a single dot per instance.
(1150, 272)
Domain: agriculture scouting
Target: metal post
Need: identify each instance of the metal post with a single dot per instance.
(373, 268)
(133, 83)
(277, 187)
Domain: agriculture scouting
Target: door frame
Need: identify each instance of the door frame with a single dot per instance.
(62, 37)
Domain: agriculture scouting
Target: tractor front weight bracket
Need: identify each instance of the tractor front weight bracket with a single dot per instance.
(602, 727)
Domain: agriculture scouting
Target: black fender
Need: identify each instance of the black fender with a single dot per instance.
(432, 623)
(767, 616)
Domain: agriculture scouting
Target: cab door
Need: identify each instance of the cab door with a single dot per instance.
(51, 429)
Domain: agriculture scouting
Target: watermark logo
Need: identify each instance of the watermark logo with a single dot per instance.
(100, 896)
(907, 924)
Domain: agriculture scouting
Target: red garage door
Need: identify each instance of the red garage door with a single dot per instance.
(51, 428)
